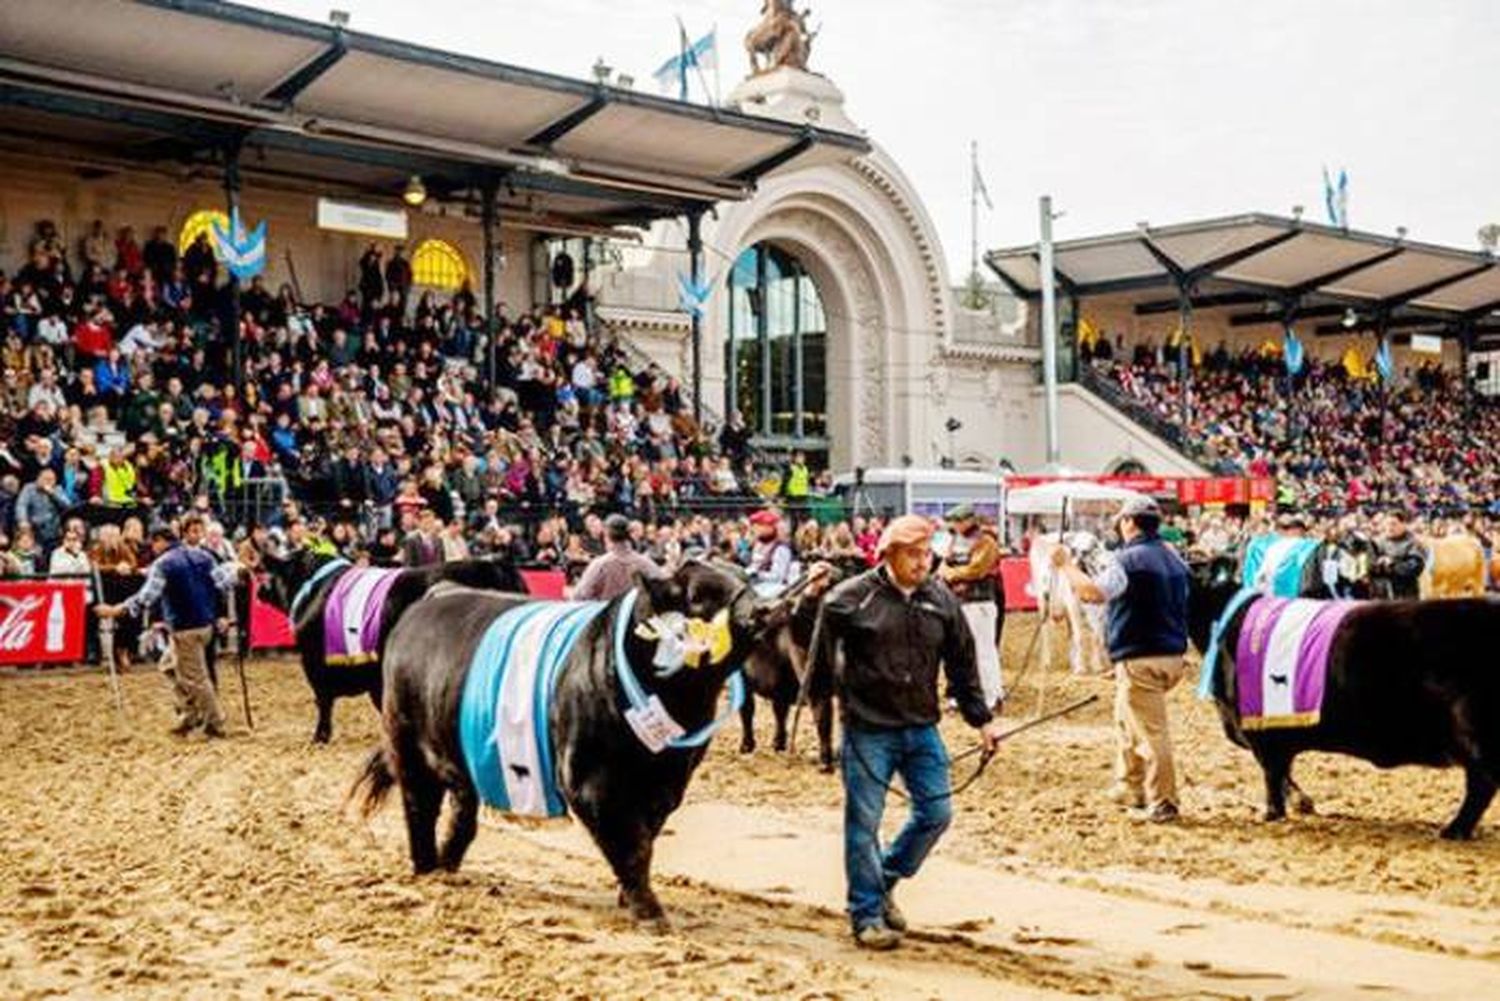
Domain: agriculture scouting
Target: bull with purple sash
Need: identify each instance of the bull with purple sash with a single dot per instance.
(1390, 682)
(342, 614)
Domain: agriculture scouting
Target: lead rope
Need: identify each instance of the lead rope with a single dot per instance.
(985, 756)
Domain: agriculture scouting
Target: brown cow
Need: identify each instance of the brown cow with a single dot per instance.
(1455, 568)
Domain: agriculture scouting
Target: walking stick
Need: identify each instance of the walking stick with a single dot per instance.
(107, 645)
(806, 683)
(241, 640)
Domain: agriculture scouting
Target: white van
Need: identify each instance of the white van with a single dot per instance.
(928, 492)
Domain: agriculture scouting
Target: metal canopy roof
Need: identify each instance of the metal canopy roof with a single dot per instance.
(1286, 267)
(154, 82)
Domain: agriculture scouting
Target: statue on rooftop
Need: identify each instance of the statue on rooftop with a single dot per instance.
(782, 38)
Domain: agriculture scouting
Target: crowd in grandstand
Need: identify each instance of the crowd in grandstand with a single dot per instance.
(119, 398)
(1334, 439)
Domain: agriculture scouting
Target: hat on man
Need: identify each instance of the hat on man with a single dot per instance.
(765, 518)
(1139, 507)
(907, 530)
(617, 528)
(962, 513)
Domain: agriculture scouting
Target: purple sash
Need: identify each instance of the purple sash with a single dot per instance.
(353, 615)
(1281, 660)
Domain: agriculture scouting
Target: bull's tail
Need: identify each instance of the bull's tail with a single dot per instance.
(374, 784)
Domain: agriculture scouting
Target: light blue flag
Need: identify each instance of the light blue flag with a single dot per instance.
(1329, 201)
(1343, 198)
(1295, 353)
(244, 254)
(1384, 364)
(701, 55)
(693, 297)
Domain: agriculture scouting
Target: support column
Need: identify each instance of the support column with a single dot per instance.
(1465, 353)
(1049, 333)
(231, 314)
(1185, 355)
(489, 222)
(695, 268)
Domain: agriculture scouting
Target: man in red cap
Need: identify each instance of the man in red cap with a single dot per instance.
(771, 559)
(896, 626)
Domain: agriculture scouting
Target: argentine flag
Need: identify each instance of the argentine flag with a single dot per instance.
(1384, 363)
(244, 254)
(702, 55)
(1295, 353)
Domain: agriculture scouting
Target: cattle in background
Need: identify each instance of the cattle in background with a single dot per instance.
(1454, 568)
(541, 708)
(1057, 603)
(1408, 683)
(776, 666)
(308, 581)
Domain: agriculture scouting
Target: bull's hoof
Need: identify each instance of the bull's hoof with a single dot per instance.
(1455, 833)
(780, 745)
(1304, 805)
(1274, 816)
(747, 747)
(826, 766)
(321, 737)
(658, 925)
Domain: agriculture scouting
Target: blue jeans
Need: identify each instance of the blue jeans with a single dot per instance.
(871, 759)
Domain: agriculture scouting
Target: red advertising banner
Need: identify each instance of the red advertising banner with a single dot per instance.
(42, 621)
(1016, 572)
(1189, 491)
(545, 583)
(270, 629)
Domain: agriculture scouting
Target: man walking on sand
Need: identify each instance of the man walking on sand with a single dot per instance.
(186, 579)
(897, 625)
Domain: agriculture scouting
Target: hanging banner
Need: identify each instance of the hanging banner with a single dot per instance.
(345, 217)
(1427, 344)
(42, 621)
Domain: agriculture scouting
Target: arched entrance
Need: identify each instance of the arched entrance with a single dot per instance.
(776, 350)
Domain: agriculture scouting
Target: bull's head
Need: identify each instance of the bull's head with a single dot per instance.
(1213, 582)
(701, 616)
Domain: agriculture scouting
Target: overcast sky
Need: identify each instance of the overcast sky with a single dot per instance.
(1123, 110)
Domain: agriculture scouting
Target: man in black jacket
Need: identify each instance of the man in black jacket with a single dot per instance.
(1399, 560)
(895, 626)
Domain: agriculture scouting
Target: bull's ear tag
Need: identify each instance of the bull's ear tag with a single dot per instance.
(653, 725)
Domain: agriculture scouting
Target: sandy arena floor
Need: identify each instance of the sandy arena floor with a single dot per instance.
(136, 865)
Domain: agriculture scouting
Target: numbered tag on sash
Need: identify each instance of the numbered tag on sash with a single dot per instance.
(653, 725)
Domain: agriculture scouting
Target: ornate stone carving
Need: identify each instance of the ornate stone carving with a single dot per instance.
(782, 37)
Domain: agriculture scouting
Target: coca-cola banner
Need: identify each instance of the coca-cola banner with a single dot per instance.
(42, 621)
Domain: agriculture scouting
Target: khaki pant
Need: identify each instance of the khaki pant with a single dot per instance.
(1143, 761)
(192, 693)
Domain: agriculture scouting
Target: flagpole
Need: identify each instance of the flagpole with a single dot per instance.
(718, 99)
(973, 208)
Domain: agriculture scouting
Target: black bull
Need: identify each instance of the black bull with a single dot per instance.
(335, 681)
(616, 787)
(1409, 683)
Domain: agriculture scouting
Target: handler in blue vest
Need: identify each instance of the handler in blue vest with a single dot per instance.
(186, 579)
(896, 625)
(1146, 589)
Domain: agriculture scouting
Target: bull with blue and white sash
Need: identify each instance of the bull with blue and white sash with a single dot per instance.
(342, 615)
(603, 710)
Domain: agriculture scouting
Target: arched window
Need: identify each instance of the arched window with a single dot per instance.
(201, 221)
(777, 349)
(439, 264)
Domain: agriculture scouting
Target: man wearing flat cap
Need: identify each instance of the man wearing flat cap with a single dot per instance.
(971, 567)
(895, 626)
(1146, 592)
